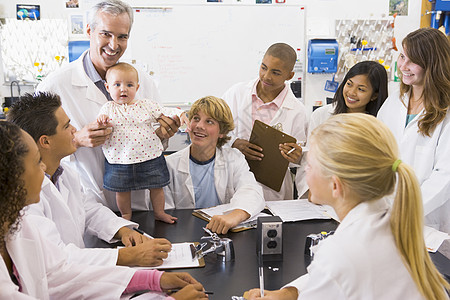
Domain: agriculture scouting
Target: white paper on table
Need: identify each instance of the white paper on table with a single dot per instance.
(434, 238)
(301, 209)
(179, 257)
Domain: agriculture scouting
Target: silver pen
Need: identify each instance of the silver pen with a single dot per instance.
(261, 275)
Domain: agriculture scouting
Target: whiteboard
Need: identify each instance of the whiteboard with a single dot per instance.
(193, 51)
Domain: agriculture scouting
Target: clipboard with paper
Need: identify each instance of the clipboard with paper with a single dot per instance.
(181, 256)
(271, 170)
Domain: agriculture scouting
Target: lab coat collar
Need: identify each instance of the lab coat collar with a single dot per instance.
(290, 100)
(62, 193)
(81, 79)
(362, 211)
(46, 182)
(219, 168)
(405, 103)
(183, 167)
(183, 164)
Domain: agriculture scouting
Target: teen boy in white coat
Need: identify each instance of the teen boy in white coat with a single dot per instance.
(82, 98)
(234, 182)
(290, 117)
(210, 121)
(68, 214)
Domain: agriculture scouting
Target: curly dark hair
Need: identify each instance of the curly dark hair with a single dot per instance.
(12, 189)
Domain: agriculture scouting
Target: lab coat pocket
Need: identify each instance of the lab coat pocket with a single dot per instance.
(423, 162)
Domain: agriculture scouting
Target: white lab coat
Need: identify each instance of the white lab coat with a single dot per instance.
(319, 116)
(67, 216)
(82, 100)
(45, 274)
(291, 116)
(428, 156)
(360, 261)
(233, 180)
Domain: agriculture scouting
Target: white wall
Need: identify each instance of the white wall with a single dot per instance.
(321, 16)
(320, 22)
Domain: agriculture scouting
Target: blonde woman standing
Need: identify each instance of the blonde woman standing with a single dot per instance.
(377, 252)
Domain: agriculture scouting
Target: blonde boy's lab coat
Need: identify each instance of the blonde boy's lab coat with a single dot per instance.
(45, 274)
(68, 215)
(234, 182)
(81, 100)
(360, 261)
(429, 156)
(292, 118)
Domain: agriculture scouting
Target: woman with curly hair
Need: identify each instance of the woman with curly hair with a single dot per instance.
(419, 119)
(32, 266)
(13, 193)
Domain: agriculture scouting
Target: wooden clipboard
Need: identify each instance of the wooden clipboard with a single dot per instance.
(204, 216)
(271, 170)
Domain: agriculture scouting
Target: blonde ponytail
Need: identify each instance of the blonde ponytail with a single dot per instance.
(362, 152)
(407, 228)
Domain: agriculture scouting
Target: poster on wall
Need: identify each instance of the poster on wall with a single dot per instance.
(28, 12)
(400, 7)
(76, 25)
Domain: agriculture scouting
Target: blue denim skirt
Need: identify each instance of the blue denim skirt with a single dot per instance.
(150, 174)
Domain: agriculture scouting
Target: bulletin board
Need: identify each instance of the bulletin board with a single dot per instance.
(196, 50)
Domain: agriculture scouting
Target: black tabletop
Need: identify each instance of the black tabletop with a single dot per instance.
(233, 278)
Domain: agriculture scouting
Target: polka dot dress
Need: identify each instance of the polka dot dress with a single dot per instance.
(134, 139)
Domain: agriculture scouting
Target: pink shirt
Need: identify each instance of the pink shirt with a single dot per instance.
(265, 112)
(144, 280)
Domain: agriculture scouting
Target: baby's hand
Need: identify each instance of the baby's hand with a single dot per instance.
(103, 120)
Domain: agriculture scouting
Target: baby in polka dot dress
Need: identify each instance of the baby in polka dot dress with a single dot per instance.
(133, 152)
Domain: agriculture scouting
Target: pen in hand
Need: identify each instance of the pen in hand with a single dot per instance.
(301, 144)
(177, 290)
(290, 151)
(261, 274)
(142, 232)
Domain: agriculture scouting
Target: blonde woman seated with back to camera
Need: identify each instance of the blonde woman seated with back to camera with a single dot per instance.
(377, 252)
(205, 174)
